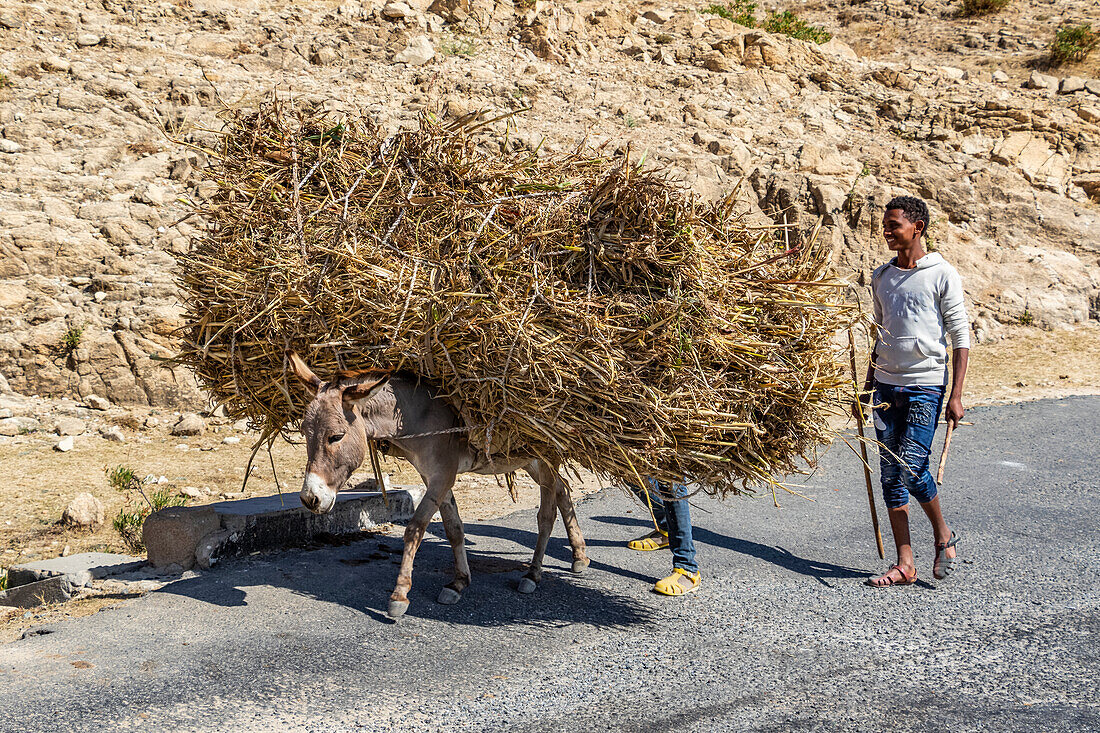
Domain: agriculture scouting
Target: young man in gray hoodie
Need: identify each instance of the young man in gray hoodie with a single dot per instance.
(919, 306)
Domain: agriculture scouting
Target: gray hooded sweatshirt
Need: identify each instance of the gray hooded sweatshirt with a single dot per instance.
(917, 310)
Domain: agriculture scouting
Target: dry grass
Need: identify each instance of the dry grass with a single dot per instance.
(568, 307)
(1031, 363)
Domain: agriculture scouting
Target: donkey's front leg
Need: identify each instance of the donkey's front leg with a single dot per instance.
(452, 524)
(414, 534)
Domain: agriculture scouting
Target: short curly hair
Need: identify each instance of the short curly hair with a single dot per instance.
(914, 209)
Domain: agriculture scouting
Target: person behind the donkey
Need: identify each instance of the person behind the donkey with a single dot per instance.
(672, 516)
(918, 306)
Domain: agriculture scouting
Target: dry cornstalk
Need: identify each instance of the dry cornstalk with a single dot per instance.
(568, 307)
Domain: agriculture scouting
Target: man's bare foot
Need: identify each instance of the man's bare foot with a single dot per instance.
(896, 575)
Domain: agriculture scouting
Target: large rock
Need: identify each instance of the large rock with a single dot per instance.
(113, 433)
(55, 63)
(659, 16)
(417, 53)
(454, 11)
(827, 161)
(839, 48)
(84, 511)
(69, 426)
(18, 425)
(324, 56)
(97, 403)
(1033, 157)
(189, 424)
(1071, 84)
(715, 61)
(1042, 81)
(398, 11)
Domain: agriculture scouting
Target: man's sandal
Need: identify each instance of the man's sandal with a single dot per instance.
(945, 565)
(655, 540)
(677, 584)
(889, 580)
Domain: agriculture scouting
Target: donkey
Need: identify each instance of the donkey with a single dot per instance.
(352, 408)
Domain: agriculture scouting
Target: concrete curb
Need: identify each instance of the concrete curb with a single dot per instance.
(182, 537)
(80, 569)
(51, 590)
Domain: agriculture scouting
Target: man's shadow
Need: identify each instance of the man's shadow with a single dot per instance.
(816, 569)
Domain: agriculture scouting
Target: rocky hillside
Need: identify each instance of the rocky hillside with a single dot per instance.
(98, 98)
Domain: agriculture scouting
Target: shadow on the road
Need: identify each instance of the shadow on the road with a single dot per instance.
(360, 576)
(557, 548)
(816, 569)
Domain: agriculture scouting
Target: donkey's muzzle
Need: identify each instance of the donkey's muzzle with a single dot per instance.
(316, 495)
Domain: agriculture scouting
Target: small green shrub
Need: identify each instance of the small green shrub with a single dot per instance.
(4, 581)
(128, 525)
(458, 46)
(791, 25)
(983, 7)
(4, 80)
(166, 497)
(71, 340)
(742, 12)
(720, 10)
(1026, 319)
(1073, 43)
(123, 478)
(130, 519)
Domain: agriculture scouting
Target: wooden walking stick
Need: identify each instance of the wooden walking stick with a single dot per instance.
(863, 445)
(943, 455)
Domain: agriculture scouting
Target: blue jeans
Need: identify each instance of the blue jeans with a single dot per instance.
(906, 427)
(674, 518)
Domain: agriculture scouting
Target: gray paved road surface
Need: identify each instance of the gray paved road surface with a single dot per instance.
(782, 636)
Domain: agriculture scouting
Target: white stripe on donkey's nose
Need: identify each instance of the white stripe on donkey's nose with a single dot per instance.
(316, 495)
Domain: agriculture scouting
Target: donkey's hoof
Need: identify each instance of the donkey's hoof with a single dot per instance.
(397, 608)
(580, 566)
(526, 585)
(448, 596)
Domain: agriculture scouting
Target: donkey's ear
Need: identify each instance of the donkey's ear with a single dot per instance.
(302, 371)
(362, 385)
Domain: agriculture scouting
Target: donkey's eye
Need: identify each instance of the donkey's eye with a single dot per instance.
(335, 438)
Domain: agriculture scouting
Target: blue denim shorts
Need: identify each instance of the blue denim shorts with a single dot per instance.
(905, 426)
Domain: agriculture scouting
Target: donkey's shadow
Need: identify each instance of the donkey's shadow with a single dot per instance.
(360, 575)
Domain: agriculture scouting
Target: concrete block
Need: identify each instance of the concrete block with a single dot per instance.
(186, 536)
(78, 569)
(51, 590)
(171, 535)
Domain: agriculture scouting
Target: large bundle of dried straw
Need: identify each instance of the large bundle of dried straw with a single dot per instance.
(569, 308)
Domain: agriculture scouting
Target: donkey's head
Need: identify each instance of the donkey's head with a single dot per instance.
(335, 431)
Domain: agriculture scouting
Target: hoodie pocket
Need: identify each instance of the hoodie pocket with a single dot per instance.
(903, 355)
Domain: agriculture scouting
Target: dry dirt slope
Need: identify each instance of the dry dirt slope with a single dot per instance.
(91, 190)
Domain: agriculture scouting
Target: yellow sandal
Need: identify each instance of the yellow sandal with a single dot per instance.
(671, 586)
(655, 540)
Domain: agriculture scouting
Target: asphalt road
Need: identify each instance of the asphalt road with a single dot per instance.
(782, 635)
